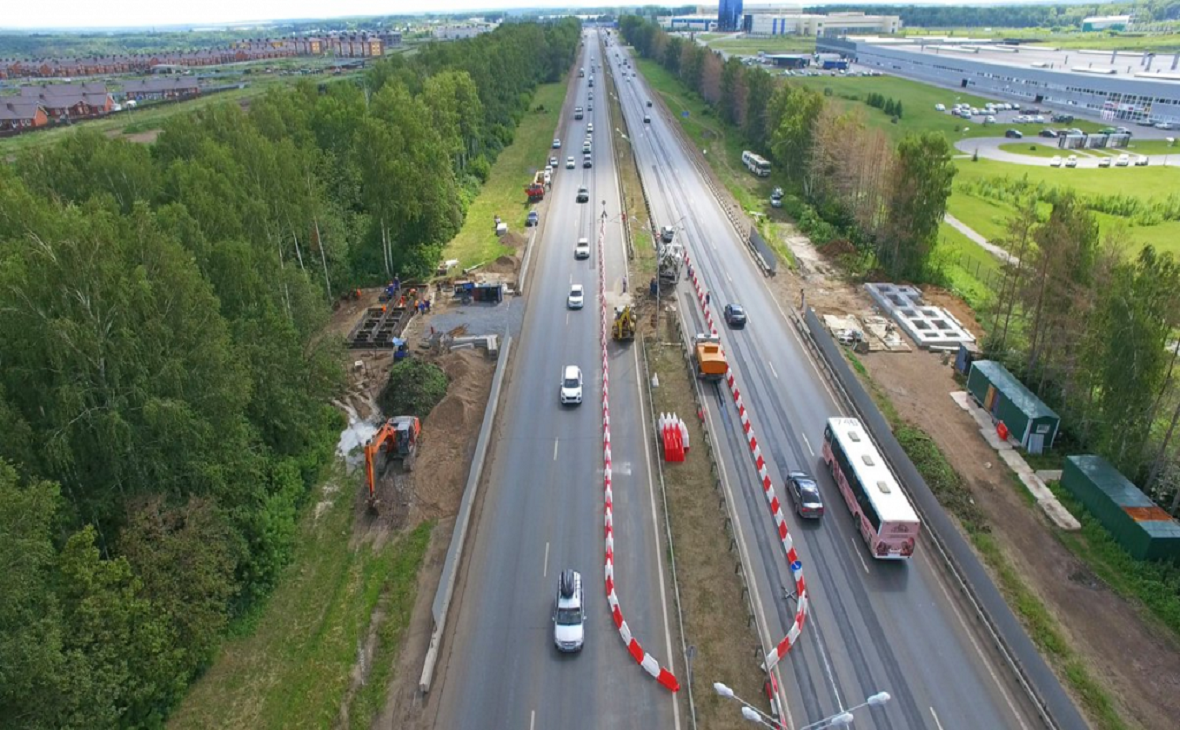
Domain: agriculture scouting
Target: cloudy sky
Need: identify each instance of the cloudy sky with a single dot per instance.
(142, 13)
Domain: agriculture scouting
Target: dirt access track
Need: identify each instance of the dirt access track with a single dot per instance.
(1122, 646)
(430, 492)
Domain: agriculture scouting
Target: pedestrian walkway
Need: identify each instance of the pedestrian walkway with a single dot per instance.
(985, 244)
(1031, 480)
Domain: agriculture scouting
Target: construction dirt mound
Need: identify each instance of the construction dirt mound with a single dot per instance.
(502, 265)
(514, 239)
(449, 434)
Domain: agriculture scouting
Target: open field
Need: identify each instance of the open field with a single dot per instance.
(969, 270)
(917, 100)
(503, 193)
(296, 666)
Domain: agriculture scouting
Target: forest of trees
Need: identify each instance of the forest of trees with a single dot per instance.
(1085, 324)
(851, 183)
(1060, 17)
(163, 378)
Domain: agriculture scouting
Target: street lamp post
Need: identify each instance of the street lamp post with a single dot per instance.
(843, 718)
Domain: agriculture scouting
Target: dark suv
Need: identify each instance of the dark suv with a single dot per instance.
(735, 316)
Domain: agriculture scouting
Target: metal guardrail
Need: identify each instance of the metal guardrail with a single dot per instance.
(1032, 674)
(446, 584)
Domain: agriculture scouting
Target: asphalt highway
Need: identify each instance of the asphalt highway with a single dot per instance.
(542, 508)
(873, 626)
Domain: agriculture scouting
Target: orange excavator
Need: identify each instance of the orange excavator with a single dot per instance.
(397, 439)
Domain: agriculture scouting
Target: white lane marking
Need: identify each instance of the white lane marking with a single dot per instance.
(828, 671)
(545, 569)
(809, 449)
(555, 442)
(728, 277)
(532, 719)
(772, 370)
(567, 318)
(935, 716)
(970, 634)
(651, 490)
(856, 549)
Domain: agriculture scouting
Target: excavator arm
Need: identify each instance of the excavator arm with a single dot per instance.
(387, 433)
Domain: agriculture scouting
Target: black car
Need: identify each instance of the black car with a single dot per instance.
(1050, 133)
(1014, 134)
(735, 316)
(649, 102)
(646, 119)
(583, 195)
(805, 495)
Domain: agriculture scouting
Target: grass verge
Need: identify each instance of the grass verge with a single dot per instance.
(712, 604)
(953, 495)
(503, 193)
(295, 668)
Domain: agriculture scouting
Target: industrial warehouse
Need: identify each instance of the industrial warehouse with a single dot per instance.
(1114, 85)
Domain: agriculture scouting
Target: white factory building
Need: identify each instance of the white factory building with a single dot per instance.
(759, 23)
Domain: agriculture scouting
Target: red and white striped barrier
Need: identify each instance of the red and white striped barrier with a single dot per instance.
(649, 663)
(784, 646)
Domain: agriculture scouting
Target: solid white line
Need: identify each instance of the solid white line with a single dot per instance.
(828, 671)
(935, 716)
(809, 449)
(859, 553)
(772, 370)
(969, 632)
(567, 318)
(545, 570)
(728, 277)
(532, 719)
(555, 449)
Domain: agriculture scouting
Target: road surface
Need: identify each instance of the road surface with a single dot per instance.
(874, 626)
(543, 504)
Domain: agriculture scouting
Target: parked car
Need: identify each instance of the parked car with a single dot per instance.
(1014, 134)
(1050, 133)
(805, 495)
(989, 119)
(532, 219)
(1071, 161)
(735, 315)
(1141, 161)
(939, 107)
(1055, 162)
(1123, 160)
(1104, 162)
(1165, 125)
(553, 162)
(556, 143)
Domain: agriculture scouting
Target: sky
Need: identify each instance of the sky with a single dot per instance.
(24, 14)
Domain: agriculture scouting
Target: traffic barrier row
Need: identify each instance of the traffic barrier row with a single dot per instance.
(649, 663)
(673, 433)
(780, 650)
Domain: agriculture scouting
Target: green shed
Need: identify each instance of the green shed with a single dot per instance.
(1136, 523)
(1027, 419)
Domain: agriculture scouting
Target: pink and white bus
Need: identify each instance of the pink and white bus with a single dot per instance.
(886, 519)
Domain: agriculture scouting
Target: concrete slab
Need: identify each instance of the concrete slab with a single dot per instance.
(929, 326)
(1032, 481)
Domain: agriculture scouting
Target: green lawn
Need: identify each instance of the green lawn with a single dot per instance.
(503, 193)
(1143, 182)
(987, 217)
(917, 100)
(970, 271)
(294, 669)
(777, 44)
(1032, 149)
(1153, 146)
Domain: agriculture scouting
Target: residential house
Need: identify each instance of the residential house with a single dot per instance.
(75, 101)
(18, 113)
(161, 87)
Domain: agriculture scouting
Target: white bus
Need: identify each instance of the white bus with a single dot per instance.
(885, 517)
(756, 164)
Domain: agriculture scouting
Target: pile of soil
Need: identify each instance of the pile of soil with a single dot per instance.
(449, 434)
(514, 239)
(503, 265)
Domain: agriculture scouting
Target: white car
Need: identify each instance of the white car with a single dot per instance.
(939, 107)
(569, 612)
(1055, 162)
(576, 298)
(582, 249)
(1071, 161)
(556, 143)
(1122, 161)
(553, 161)
(590, 128)
(571, 385)
(569, 163)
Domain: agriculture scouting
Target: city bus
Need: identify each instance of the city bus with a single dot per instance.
(886, 519)
(756, 164)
